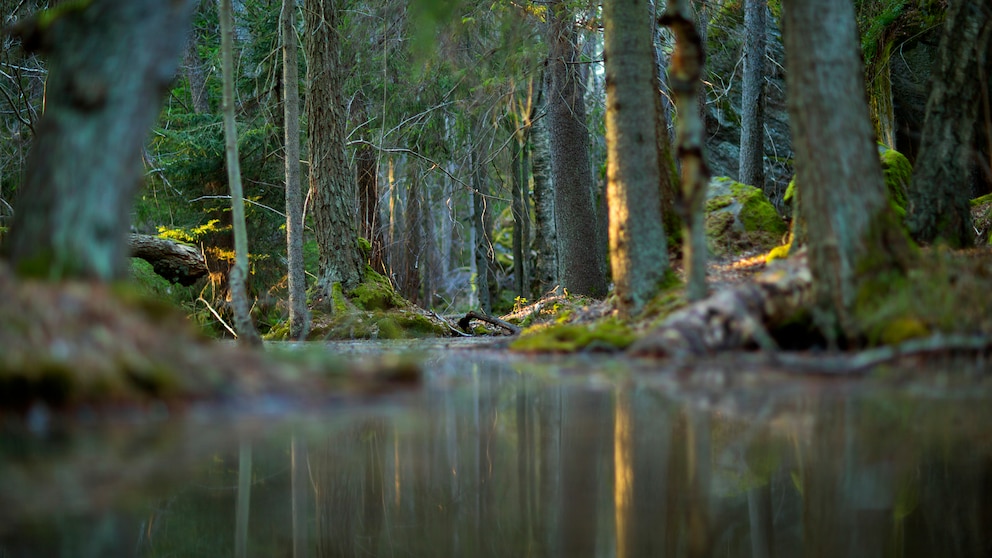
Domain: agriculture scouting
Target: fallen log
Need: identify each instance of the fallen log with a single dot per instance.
(465, 323)
(177, 262)
(734, 318)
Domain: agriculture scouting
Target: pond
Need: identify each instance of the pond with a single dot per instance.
(499, 455)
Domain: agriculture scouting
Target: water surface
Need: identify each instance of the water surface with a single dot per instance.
(510, 456)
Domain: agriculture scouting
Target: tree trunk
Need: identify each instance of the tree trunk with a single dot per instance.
(685, 75)
(940, 188)
(179, 263)
(299, 319)
(518, 209)
(332, 183)
(546, 241)
(668, 176)
(368, 200)
(247, 334)
(853, 233)
(581, 270)
(110, 63)
(751, 170)
(638, 250)
(193, 68)
(482, 246)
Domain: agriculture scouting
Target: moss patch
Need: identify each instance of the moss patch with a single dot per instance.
(607, 336)
(943, 291)
(740, 218)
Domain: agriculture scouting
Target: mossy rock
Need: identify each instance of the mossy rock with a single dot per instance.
(740, 217)
(897, 171)
(605, 336)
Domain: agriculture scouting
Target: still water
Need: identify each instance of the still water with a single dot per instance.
(514, 457)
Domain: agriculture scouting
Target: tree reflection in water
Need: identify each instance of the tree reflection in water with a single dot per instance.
(512, 458)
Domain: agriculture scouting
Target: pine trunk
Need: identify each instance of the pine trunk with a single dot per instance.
(638, 250)
(298, 317)
(332, 184)
(247, 334)
(751, 170)
(853, 232)
(109, 67)
(482, 247)
(939, 191)
(580, 267)
(546, 241)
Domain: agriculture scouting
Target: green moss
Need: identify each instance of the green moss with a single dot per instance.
(365, 247)
(790, 191)
(758, 214)
(375, 292)
(897, 171)
(987, 198)
(718, 202)
(609, 335)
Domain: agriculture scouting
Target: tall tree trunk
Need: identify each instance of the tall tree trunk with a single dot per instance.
(247, 334)
(193, 68)
(110, 63)
(518, 209)
(370, 227)
(686, 79)
(580, 267)
(299, 319)
(482, 246)
(853, 232)
(941, 184)
(752, 160)
(668, 177)
(332, 183)
(413, 239)
(638, 250)
(546, 241)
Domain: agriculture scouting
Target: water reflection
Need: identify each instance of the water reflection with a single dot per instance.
(510, 458)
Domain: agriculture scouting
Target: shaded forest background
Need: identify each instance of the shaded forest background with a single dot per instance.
(446, 137)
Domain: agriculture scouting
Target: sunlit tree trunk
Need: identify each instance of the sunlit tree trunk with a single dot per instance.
(580, 267)
(685, 77)
(751, 169)
(939, 192)
(853, 233)
(299, 319)
(518, 208)
(638, 249)
(247, 334)
(332, 183)
(110, 63)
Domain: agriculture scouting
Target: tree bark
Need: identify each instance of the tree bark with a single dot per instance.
(668, 175)
(939, 192)
(853, 233)
(247, 334)
(110, 63)
(179, 263)
(482, 245)
(193, 68)
(546, 241)
(581, 270)
(299, 318)
(685, 76)
(638, 250)
(332, 183)
(752, 159)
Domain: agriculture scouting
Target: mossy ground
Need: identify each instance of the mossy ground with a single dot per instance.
(944, 291)
(372, 310)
